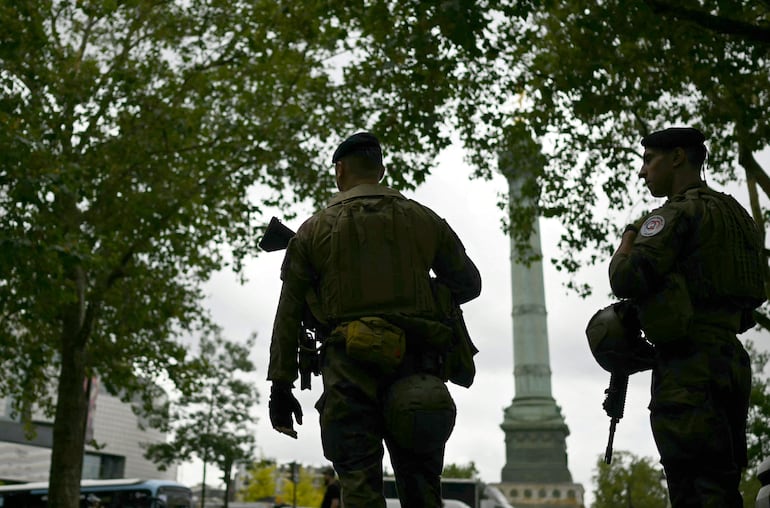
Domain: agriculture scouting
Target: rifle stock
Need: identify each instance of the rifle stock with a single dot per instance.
(276, 236)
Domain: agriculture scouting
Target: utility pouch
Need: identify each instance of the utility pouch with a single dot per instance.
(666, 316)
(459, 366)
(424, 334)
(375, 341)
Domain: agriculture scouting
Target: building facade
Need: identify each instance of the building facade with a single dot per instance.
(113, 427)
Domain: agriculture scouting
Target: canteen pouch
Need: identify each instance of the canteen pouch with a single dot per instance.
(375, 341)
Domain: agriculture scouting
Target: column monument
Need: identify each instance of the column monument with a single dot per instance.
(535, 471)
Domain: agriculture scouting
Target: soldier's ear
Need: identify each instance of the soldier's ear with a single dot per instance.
(340, 173)
(678, 156)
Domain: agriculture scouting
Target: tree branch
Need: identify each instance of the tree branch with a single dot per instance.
(84, 42)
(54, 15)
(718, 24)
(756, 209)
(128, 43)
(753, 169)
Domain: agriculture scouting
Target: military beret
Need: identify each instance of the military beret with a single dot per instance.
(357, 142)
(674, 137)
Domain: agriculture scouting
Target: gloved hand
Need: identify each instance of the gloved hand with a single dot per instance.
(282, 406)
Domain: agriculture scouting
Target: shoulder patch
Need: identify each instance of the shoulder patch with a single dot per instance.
(652, 226)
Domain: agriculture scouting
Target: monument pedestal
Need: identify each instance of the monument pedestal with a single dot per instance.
(535, 472)
(535, 442)
(537, 494)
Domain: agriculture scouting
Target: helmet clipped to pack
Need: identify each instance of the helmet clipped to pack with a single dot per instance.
(616, 340)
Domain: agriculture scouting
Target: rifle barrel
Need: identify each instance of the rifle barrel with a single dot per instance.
(608, 451)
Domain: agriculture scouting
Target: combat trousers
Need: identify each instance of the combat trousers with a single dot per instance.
(702, 488)
(352, 434)
(700, 398)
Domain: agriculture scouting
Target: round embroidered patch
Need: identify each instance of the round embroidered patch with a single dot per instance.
(652, 226)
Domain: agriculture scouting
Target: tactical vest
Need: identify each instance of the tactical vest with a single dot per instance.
(726, 233)
(375, 265)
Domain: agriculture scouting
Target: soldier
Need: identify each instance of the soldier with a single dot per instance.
(692, 269)
(363, 266)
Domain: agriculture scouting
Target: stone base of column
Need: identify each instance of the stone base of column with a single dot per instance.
(535, 442)
(534, 495)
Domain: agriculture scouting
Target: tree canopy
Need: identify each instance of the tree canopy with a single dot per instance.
(141, 143)
(212, 418)
(468, 470)
(260, 481)
(587, 80)
(302, 484)
(629, 481)
(268, 481)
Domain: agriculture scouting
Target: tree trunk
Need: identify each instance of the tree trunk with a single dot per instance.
(69, 425)
(227, 477)
(753, 170)
(71, 400)
(751, 166)
(203, 482)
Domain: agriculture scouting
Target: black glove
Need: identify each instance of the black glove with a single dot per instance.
(282, 406)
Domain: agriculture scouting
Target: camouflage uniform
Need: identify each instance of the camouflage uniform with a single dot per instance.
(694, 275)
(392, 281)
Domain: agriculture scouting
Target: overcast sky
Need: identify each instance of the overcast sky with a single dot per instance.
(577, 382)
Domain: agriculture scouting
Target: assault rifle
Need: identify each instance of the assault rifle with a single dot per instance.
(277, 237)
(615, 339)
(613, 405)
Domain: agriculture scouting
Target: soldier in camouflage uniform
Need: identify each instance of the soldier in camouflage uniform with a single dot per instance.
(363, 264)
(692, 269)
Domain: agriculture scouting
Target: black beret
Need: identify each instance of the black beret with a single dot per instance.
(357, 142)
(674, 137)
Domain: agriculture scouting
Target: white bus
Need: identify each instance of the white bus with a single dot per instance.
(123, 493)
